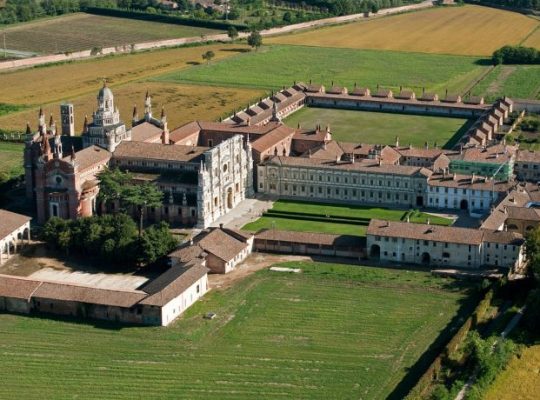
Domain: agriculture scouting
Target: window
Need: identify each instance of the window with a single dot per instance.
(198, 289)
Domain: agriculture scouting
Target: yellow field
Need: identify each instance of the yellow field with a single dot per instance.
(183, 103)
(468, 30)
(534, 39)
(45, 85)
(521, 380)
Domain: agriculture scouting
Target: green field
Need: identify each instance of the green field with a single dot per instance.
(11, 162)
(275, 66)
(331, 332)
(80, 31)
(291, 223)
(519, 81)
(382, 128)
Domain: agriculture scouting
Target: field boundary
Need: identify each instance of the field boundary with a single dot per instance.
(54, 58)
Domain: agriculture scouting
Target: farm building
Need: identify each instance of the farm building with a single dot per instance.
(14, 233)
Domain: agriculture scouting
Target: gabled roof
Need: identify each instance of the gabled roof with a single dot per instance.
(145, 132)
(9, 221)
(159, 151)
(90, 156)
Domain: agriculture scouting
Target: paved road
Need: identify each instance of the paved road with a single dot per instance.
(52, 58)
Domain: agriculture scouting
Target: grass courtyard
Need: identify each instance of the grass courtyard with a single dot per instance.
(11, 163)
(304, 216)
(382, 128)
(333, 331)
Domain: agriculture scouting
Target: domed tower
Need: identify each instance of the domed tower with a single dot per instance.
(107, 129)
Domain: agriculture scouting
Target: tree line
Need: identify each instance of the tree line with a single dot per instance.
(519, 4)
(111, 239)
(516, 55)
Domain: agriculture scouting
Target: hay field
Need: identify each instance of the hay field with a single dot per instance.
(331, 332)
(275, 66)
(183, 103)
(381, 128)
(11, 162)
(534, 39)
(468, 30)
(57, 83)
(520, 380)
(84, 31)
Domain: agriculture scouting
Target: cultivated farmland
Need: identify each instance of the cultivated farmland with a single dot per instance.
(519, 81)
(469, 30)
(183, 103)
(333, 331)
(520, 379)
(276, 66)
(335, 219)
(69, 80)
(381, 128)
(76, 32)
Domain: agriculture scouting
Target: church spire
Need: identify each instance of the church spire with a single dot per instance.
(147, 107)
(275, 116)
(85, 125)
(135, 117)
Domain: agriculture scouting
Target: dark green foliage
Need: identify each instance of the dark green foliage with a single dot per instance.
(109, 238)
(208, 56)
(255, 39)
(532, 313)
(518, 4)
(516, 55)
(232, 32)
(530, 125)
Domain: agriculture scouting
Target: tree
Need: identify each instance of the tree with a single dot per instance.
(532, 250)
(208, 56)
(141, 197)
(111, 184)
(157, 241)
(232, 33)
(255, 40)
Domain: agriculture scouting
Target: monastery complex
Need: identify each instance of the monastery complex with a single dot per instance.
(206, 169)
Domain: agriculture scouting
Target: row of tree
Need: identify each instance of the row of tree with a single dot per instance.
(519, 4)
(27, 10)
(516, 55)
(111, 239)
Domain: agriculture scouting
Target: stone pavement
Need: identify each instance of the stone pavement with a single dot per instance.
(247, 211)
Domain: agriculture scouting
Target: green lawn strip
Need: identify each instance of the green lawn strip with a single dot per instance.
(279, 65)
(380, 128)
(333, 331)
(10, 108)
(305, 226)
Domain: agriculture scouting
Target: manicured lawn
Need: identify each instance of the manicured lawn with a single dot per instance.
(281, 222)
(79, 32)
(286, 224)
(381, 128)
(275, 66)
(331, 332)
(520, 379)
(11, 160)
(444, 30)
(520, 81)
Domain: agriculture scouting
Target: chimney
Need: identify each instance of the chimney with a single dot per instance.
(426, 145)
(221, 226)
(397, 141)
(429, 221)
(473, 178)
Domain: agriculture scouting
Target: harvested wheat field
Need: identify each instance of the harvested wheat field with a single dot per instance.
(183, 103)
(520, 380)
(468, 30)
(534, 39)
(78, 32)
(56, 83)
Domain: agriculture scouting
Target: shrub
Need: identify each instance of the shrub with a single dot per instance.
(516, 55)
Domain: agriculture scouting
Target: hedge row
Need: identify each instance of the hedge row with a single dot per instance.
(327, 216)
(304, 217)
(164, 18)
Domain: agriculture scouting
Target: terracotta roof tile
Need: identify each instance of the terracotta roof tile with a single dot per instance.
(17, 287)
(145, 132)
(158, 151)
(9, 221)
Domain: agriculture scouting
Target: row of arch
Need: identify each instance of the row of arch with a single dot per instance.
(12, 245)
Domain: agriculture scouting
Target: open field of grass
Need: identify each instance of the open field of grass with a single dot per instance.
(183, 103)
(519, 81)
(469, 30)
(276, 66)
(70, 80)
(521, 378)
(11, 163)
(380, 128)
(282, 222)
(80, 31)
(333, 331)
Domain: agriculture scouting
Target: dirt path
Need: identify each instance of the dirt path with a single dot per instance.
(54, 58)
(255, 262)
(496, 85)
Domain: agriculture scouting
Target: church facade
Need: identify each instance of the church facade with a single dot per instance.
(200, 183)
